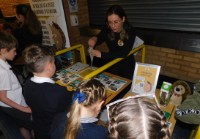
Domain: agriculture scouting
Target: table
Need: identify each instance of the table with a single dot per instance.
(109, 94)
(169, 108)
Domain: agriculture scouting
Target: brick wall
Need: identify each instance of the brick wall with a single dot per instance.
(174, 63)
(7, 6)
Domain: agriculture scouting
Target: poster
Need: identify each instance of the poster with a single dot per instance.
(145, 79)
(73, 6)
(110, 83)
(54, 26)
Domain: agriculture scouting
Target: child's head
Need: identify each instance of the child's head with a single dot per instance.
(8, 46)
(137, 118)
(39, 59)
(88, 98)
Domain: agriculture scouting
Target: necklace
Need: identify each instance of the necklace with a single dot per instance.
(120, 42)
(121, 38)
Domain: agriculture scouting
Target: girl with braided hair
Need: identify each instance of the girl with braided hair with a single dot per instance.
(87, 102)
(137, 118)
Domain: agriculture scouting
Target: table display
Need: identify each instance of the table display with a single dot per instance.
(73, 75)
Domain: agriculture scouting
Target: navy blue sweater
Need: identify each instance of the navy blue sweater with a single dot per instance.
(45, 100)
(87, 130)
(92, 131)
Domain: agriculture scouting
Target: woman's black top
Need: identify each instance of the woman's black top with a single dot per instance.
(26, 38)
(124, 68)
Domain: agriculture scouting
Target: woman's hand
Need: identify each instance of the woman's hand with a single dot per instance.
(92, 41)
(96, 53)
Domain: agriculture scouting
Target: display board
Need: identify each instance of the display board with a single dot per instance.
(145, 79)
(71, 77)
(54, 26)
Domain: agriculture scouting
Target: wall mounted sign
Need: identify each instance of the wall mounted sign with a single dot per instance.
(52, 17)
(73, 6)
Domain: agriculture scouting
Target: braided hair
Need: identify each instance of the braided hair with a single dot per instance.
(94, 91)
(137, 118)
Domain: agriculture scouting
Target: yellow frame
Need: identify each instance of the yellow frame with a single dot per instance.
(81, 49)
(106, 66)
(195, 134)
(78, 47)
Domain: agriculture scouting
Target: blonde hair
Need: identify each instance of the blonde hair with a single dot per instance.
(36, 57)
(137, 118)
(94, 91)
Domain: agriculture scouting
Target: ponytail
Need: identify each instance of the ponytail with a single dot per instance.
(73, 123)
(88, 93)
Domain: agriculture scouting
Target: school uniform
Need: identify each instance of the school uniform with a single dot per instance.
(90, 130)
(46, 99)
(10, 83)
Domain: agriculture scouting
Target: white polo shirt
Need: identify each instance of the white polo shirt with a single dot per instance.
(10, 83)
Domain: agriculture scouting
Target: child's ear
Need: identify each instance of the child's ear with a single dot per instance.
(100, 104)
(3, 50)
(48, 66)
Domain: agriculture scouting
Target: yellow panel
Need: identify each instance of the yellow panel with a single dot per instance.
(106, 66)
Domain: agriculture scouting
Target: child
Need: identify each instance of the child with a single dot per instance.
(136, 118)
(45, 98)
(11, 98)
(87, 102)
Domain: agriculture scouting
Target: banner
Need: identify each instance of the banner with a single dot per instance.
(52, 18)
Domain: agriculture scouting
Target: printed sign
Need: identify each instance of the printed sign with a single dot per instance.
(145, 79)
(73, 6)
(51, 15)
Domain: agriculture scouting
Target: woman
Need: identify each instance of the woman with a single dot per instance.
(30, 30)
(119, 36)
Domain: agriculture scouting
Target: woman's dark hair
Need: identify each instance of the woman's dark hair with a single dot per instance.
(118, 10)
(30, 19)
